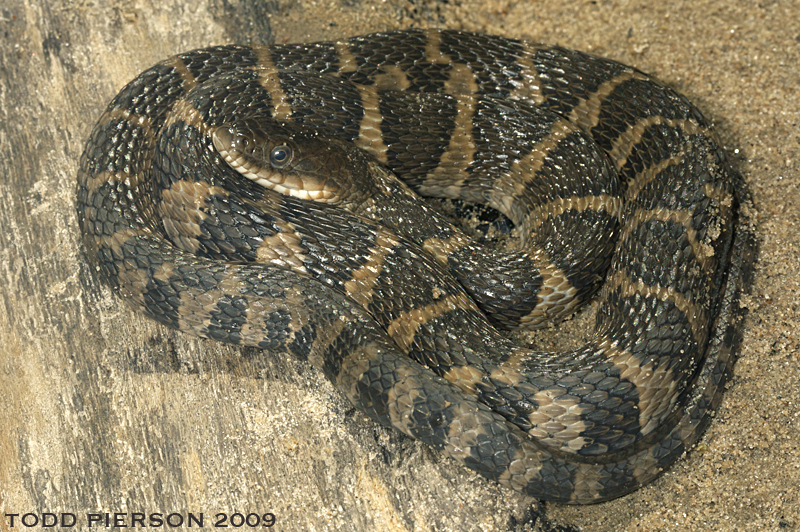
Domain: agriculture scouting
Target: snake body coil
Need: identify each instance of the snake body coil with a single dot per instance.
(248, 195)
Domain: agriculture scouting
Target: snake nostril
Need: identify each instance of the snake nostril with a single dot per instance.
(242, 144)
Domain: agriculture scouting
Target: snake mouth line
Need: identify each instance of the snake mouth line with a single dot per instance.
(242, 155)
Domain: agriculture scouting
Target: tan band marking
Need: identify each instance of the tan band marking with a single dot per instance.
(195, 307)
(347, 61)
(646, 462)
(115, 241)
(185, 200)
(448, 178)
(391, 78)
(189, 81)
(301, 316)
(587, 113)
(465, 377)
(624, 144)
(461, 81)
(558, 419)
(524, 469)
(649, 175)
(466, 439)
(353, 366)
(695, 314)
(269, 78)
(132, 279)
(360, 287)
(723, 196)
(433, 48)
(703, 253)
(405, 404)
(198, 305)
(458, 156)
(604, 202)
(441, 250)
(403, 398)
(530, 88)
(512, 185)
(370, 136)
(590, 482)
(164, 272)
(556, 298)
(508, 372)
(656, 384)
(133, 284)
(131, 181)
(183, 208)
(403, 329)
(142, 121)
(185, 111)
(284, 248)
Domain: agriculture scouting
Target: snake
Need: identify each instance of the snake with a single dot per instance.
(269, 196)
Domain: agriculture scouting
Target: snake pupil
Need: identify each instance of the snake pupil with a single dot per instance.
(280, 156)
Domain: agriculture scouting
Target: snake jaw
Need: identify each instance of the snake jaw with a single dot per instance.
(253, 156)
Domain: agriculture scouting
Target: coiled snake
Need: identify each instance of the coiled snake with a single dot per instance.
(247, 194)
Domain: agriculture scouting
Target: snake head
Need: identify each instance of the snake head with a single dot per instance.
(288, 159)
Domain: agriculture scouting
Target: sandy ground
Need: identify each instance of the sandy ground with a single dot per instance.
(738, 62)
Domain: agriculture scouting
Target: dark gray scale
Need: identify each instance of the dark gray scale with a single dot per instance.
(404, 50)
(680, 186)
(624, 427)
(574, 168)
(240, 93)
(230, 227)
(170, 163)
(568, 77)
(337, 242)
(139, 98)
(219, 60)
(636, 99)
(493, 61)
(318, 57)
(659, 142)
(159, 298)
(677, 268)
(118, 141)
(503, 134)
(326, 103)
(574, 242)
(415, 142)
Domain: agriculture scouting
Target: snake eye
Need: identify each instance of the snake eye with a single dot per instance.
(280, 156)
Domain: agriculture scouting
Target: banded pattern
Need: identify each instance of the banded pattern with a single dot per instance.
(318, 250)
